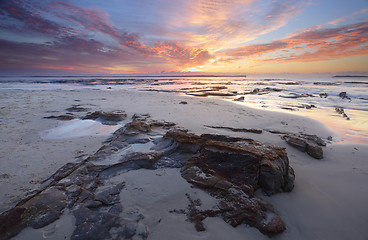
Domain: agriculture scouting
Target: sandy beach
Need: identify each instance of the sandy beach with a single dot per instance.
(327, 202)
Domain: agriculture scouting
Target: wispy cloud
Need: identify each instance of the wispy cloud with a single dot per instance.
(311, 45)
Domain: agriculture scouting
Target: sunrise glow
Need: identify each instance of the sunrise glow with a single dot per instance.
(161, 36)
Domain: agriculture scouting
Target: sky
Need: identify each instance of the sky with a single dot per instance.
(39, 37)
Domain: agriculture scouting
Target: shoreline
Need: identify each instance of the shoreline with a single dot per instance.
(23, 121)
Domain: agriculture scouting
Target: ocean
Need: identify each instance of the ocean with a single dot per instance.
(341, 103)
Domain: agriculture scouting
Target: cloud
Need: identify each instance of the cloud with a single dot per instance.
(311, 45)
(184, 56)
(31, 17)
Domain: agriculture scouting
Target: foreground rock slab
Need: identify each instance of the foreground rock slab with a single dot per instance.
(229, 169)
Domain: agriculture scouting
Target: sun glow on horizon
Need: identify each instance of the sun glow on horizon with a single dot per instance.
(236, 36)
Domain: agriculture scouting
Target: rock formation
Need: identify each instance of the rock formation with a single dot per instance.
(229, 169)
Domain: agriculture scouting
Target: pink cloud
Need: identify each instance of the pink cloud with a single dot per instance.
(312, 45)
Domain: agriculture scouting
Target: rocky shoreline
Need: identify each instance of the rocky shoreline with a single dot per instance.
(230, 169)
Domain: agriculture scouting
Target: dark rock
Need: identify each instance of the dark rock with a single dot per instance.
(250, 130)
(107, 118)
(326, 83)
(343, 95)
(221, 94)
(228, 168)
(110, 196)
(183, 102)
(263, 91)
(77, 108)
(310, 144)
(37, 212)
(61, 117)
(296, 95)
(198, 94)
(93, 225)
(232, 170)
(341, 111)
(239, 99)
(323, 95)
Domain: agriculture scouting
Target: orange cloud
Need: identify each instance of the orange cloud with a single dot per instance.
(312, 45)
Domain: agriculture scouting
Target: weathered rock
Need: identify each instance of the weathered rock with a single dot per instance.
(341, 111)
(323, 95)
(77, 108)
(296, 95)
(235, 207)
(37, 212)
(93, 225)
(232, 170)
(183, 102)
(310, 144)
(61, 117)
(239, 99)
(250, 130)
(106, 117)
(228, 168)
(343, 95)
(263, 91)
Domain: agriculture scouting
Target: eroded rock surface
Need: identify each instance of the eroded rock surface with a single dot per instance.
(310, 144)
(107, 117)
(231, 170)
(228, 168)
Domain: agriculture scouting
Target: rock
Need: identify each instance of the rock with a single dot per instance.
(263, 91)
(310, 144)
(231, 170)
(77, 108)
(326, 83)
(323, 95)
(239, 99)
(221, 94)
(39, 211)
(343, 95)
(61, 117)
(250, 130)
(296, 95)
(183, 102)
(93, 225)
(110, 196)
(228, 168)
(197, 94)
(107, 118)
(341, 111)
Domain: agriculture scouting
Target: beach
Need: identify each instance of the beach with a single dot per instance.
(327, 202)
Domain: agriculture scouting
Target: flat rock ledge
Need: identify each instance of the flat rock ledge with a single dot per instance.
(229, 169)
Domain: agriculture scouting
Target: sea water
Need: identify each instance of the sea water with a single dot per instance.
(316, 97)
